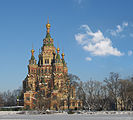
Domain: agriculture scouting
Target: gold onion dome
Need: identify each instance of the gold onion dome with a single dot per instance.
(58, 49)
(32, 54)
(48, 26)
(63, 54)
(32, 51)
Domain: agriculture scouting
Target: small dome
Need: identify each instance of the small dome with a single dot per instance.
(48, 26)
(58, 49)
(63, 54)
(32, 51)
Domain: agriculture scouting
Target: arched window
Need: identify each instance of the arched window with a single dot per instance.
(51, 60)
(57, 85)
(46, 61)
(49, 84)
(79, 104)
(41, 61)
(73, 103)
(27, 98)
(43, 92)
(61, 84)
(45, 69)
(27, 107)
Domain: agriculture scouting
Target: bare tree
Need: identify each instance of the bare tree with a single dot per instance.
(80, 94)
(10, 97)
(1, 101)
(95, 95)
(126, 94)
(112, 84)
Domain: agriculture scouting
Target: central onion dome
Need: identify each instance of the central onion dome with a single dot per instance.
(48, 25)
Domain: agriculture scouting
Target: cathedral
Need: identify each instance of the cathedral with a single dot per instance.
(47, 84)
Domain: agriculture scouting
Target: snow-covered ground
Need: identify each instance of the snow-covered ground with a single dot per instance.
(63, 116)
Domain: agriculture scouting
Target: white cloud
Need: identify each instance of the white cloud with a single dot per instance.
(96, 43)
(119, 28)
(88, 58)
(125, 24)
(130, 53)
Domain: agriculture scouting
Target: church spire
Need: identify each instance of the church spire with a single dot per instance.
(32, 51)
(32, 60)
(48, 41)
(48, 26)
(63, 60)
(58, 55)
(63, 55)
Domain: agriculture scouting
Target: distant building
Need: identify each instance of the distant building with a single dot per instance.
(124, 106)
(47, 82)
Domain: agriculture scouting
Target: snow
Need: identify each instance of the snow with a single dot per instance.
(105, 115)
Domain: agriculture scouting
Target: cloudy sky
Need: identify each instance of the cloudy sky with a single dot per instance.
(96, 36)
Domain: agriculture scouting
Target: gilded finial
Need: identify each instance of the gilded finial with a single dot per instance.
(48, 20)
(62, 54)
(58, 49)
(32, 51)
(48, 26)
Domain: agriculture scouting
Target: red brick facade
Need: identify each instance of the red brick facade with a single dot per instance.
(48, 80)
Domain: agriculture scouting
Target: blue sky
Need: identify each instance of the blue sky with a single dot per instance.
(96, 36)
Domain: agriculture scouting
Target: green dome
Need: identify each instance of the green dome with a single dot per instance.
(63, 61)
(48, 35)
(32, 57)
(58, 57)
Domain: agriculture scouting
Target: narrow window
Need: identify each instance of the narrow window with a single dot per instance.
(79, 104)
(46, 61)
(73, 104)
(45, 69)
(34, 101)
(61, 84)
(27, 107)
(27, 98)
(57, 85)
